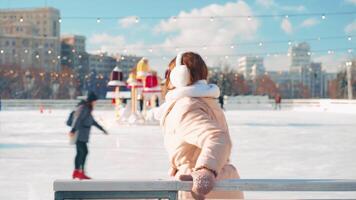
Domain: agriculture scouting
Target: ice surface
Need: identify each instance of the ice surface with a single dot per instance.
(35, 150)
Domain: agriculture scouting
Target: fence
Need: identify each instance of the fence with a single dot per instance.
(110, 189)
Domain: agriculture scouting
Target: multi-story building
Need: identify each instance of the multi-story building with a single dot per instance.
(313, 77)
(251, 67)
(101, 64)
(73, 52)
(77, 42)
(30, 38)
(126, 63)
(300, 56)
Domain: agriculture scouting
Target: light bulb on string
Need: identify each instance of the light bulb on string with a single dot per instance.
(175, 19)
(309, 53)
(211, 19)
(137, 20)
(26, 51)
(60, 20)
(260, 44)
(98, 20)
(59, 57)
(289, 43)
(232, 46)
(226, 57)
(122, 57)
(286, 16)
(249, 18)
(323, 17)
(21, 19)
(150, 50)
(349, 38)
(1, 51)
(49, 51)
(37, 56)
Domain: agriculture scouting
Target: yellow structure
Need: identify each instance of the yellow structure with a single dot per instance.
(142, 68)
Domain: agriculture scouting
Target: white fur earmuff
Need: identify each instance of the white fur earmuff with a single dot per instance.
(180, 75)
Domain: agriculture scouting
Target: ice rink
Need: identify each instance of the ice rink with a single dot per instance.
(35, 150)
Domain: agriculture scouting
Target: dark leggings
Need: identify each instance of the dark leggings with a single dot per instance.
(82, 152)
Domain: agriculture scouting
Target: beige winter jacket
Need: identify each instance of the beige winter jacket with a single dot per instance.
(196, 135)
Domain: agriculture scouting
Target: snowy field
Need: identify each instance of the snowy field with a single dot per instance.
(34, 150)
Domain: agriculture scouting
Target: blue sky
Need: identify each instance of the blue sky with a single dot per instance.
(146, 37)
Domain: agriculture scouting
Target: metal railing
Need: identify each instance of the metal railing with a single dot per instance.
(160, 189)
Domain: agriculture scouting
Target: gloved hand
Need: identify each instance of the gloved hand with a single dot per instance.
(203, 182)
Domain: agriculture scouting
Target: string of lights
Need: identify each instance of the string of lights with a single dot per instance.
(268, 54)
(350, 50)
(151, 48)
(289, 42)
(275, 54)
(322, 15)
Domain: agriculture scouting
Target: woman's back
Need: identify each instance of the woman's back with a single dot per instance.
(196, 135)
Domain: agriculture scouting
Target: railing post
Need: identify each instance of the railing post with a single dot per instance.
(58, 196)
(173, 195)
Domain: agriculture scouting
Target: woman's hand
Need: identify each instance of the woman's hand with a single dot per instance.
(203, 182)
(71, 134)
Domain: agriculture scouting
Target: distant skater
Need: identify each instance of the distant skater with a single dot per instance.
(221, 102)
(141, 101)
(82, 122)
(277, 102)
(196, 134)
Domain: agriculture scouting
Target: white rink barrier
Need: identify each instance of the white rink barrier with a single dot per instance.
(230, 103)
(48, 104)
(264, 103)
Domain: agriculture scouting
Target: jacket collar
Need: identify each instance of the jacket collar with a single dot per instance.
(199, 89)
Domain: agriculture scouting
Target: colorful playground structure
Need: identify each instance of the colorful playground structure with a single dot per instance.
(143, 89)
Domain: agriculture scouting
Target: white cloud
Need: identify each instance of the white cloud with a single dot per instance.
(309, 22)
(286, 26)
(351, 2)
(128, 21)
(275, 5)
(299, 8)
(189, 31)
(351, 28)
(106, 43)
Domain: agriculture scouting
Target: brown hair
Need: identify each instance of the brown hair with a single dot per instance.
(196, 66)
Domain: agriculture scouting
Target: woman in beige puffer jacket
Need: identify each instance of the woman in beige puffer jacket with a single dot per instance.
(196, 135)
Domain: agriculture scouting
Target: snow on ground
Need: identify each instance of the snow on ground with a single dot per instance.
(35, 150)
